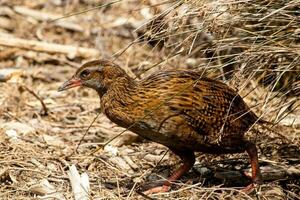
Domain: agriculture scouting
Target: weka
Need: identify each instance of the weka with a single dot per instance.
(178, 109)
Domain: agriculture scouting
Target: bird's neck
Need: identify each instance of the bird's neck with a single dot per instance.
(119, 85)
(115, 101)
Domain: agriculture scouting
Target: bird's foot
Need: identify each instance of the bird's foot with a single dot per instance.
(250, 188)
(159, 189)
(256, 180)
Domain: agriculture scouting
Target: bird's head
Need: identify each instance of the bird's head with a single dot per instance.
(96, 74)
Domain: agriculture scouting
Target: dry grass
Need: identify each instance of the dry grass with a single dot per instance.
(251, 45)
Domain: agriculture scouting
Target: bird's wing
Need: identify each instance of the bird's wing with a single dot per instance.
(209, 106)
(213, 109)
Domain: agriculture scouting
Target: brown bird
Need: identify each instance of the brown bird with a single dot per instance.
(179, 109)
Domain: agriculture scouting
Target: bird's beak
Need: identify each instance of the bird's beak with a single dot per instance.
(73, 82)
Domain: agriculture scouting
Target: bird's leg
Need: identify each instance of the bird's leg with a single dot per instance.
(256, 175)
(188, 158)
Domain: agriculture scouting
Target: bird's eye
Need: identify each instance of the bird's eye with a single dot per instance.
(85, 73)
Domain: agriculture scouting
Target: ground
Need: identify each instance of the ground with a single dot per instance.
(41, 130)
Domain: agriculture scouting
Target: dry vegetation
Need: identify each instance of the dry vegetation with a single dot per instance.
(254, 46)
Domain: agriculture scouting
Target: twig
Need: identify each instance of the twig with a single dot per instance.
(6, 23)
(144, 195)
(84, 11)
(48, 47)
(43, 16)
(86, 131)
(5, 54)
(45, 109)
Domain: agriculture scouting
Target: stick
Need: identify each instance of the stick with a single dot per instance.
(45, 109)
(87, 10)
(269, 173)
(49, 47)
(43, 16)
(5, 23)
(86, 131)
